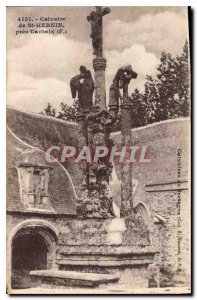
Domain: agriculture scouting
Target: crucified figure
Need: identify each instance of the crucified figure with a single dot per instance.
(95, 19)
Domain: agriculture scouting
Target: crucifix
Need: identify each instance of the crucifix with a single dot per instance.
(95, 19)
(99, 62)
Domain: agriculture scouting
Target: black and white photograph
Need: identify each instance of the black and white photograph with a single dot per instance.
(98, 150)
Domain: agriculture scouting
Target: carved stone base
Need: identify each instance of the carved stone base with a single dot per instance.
(91, 205)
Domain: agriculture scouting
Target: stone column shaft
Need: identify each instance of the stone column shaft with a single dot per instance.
(99, 65)
(126, 168)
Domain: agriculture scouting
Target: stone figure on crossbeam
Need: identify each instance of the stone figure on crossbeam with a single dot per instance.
(82, 87)
(123, 75)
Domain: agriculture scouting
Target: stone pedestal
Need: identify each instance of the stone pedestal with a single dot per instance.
(105, 247)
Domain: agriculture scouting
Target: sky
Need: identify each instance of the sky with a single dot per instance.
(39, 67)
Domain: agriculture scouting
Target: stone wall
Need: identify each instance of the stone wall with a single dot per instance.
(162, 141)
(172, 238)
(163, 185)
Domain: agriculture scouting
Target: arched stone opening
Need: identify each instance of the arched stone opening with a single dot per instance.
(33, 247)
(29, 252)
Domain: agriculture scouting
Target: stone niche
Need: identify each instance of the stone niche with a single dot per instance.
(34, 183)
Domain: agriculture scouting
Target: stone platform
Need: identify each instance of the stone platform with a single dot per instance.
(84, 247)
(83, 252)
(128, 263)
(70, 278)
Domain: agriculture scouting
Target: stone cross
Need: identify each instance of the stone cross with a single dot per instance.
(99, 63)
(96, 199)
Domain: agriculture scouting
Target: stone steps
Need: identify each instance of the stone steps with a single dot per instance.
(50, 278)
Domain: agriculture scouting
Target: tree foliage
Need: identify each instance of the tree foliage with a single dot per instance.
(68, 113)
(167, 96)
(49, 111)
(164, 97)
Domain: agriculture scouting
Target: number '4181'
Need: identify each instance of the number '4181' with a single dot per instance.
(25, 19)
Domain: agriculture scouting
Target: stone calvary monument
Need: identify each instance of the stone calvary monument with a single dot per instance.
(121, 242)
(104, 245)
(96, 122)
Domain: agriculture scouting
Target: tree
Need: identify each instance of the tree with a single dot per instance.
(68, 113)
(151, 100)
(168, 95)
(166, 86)
(183, 82)
(49, 111)
(138, 109)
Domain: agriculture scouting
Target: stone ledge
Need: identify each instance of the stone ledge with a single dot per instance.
(105, 257)
(58, 277)
(104, 263)
(106, 250)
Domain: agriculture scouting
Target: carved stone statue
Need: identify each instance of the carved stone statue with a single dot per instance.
(82, 86)
(95, 19)
(123, 75)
